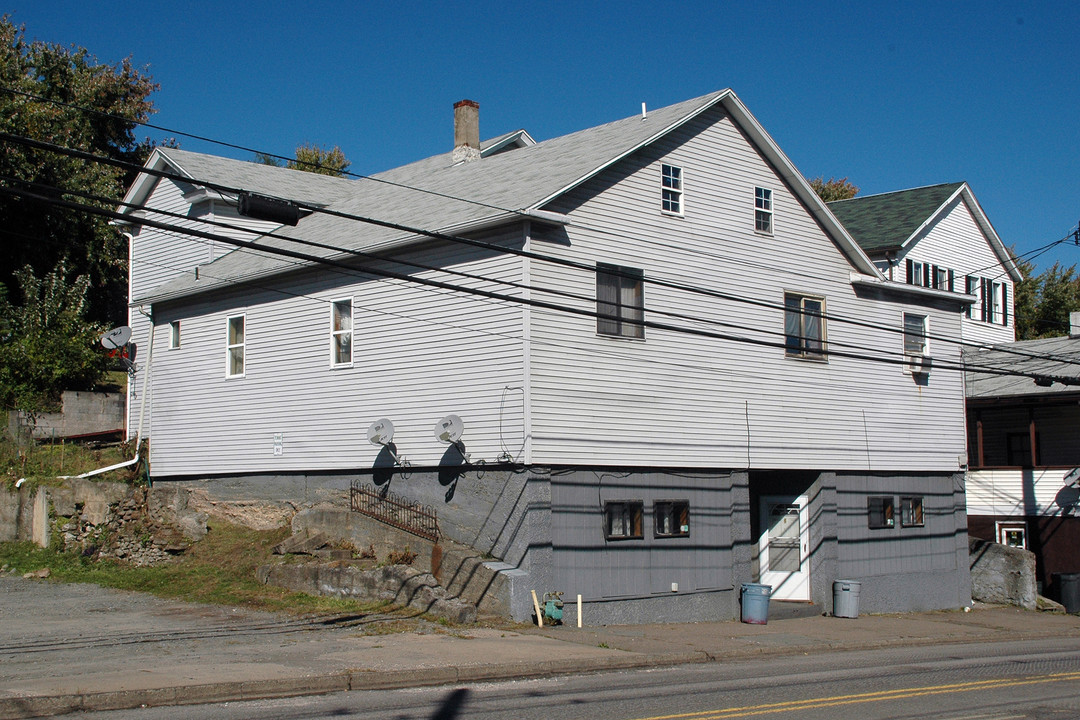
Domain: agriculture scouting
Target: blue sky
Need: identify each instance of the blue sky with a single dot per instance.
(890, 95)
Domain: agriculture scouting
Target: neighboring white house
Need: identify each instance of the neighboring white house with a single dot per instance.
(938, 236)
(676, 371)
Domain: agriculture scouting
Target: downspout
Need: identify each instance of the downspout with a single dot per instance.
(142, 416)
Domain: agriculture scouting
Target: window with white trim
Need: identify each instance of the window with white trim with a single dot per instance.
(234, 346)
(915, 344)
(671, 190)
(763, 210)
(620, 301)
(174, 334)
(341, 333)
(804, 326)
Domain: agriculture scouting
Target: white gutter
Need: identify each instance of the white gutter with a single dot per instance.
(142, 415)
(906, 289)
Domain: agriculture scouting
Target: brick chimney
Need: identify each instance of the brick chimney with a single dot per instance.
(466, 131)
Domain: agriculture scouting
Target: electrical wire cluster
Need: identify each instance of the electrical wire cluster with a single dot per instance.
(346, 262)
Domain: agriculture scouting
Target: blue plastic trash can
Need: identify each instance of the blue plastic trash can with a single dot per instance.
(755, 603)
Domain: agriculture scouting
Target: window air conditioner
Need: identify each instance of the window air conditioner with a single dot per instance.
(918, 364)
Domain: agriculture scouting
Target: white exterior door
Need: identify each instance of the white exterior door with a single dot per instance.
(783, 548)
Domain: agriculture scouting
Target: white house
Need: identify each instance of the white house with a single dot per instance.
(938, 236)
(675, 369)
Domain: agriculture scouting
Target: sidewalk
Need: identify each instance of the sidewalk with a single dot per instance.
(80, 647)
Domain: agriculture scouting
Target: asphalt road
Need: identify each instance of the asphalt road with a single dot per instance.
(985, 681)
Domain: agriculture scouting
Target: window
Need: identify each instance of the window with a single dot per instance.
(622, 519)
(915, 273)
(341, 333)
(915, 344)
(672, 518)
(174, 334)
(620, 301)
(1018, 449)
(971, 284)
(763, 210)
(911, 513)
(1013, 534)
(671, 189)
(804, 326)
(234, 347)
(941, 278)
(880, 512)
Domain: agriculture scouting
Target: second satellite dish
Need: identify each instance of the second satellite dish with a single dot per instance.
(449, 429)
(380, 432)
(116, 338)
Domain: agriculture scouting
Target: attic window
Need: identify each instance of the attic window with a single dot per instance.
(763, 210)
(671, 189)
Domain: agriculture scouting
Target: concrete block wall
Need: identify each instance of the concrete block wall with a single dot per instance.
(82, 413)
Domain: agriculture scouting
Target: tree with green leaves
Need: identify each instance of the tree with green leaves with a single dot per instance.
(1044, 301)
(311, 158)
(63, 95)
(46, 343)
(833, 188)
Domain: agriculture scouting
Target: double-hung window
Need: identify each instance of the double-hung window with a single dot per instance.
(620, 301)
(763, 210)
(804, 326)
(915, 344)
(234, 346)
(341, 333)
(671, 189)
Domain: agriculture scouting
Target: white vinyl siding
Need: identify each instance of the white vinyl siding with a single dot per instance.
(712, 402)
(426, 353)
(956, 243)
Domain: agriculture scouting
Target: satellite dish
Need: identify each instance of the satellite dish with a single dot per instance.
(116, 338)
(449, 429)
(380, 432)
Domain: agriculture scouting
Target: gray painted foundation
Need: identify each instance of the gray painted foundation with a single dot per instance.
(544, 530)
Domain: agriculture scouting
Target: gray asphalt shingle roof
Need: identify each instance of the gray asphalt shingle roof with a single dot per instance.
(1062, 360)
(885, 221)
(434, 194)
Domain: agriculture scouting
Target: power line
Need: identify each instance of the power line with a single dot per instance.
(231, 190)
(493, 295)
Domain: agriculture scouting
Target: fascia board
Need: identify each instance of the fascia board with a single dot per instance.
(905, 289)
(645, 143)
(794, 178)
(144, 183)
(980, 219)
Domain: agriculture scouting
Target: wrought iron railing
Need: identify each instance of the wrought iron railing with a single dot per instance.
(394, 510)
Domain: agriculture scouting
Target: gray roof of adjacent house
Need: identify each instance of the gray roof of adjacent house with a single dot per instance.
(439, 195)
(1057, 357)
(886, 221)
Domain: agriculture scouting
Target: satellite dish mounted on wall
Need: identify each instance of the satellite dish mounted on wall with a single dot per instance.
(381, 432)
(449, 430)
(116, 338)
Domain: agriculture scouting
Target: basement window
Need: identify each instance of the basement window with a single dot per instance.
(880, 512)
(672, 518)
(911, 512)
(623, 519)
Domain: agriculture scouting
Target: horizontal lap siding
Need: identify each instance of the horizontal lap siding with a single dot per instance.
(418, 354)
(158, 256)
(956, 241)
(676, 399)
(1017, 492)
